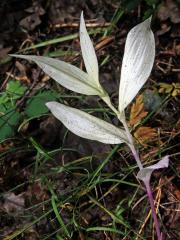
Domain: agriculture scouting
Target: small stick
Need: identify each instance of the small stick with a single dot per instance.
(76, 25)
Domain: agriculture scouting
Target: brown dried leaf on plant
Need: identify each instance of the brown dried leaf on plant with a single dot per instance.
(144, 134)
(137, 111)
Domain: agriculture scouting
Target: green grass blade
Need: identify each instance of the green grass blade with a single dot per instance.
(114, 217)
(101, 166)
(108, 229)
(58, 216)
(60, 40)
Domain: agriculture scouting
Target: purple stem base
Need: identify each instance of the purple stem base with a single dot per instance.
(147, 184)
(156, 222)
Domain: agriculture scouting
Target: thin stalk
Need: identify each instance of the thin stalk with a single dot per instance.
(122, 119)
(150, 197)
(131, 144)
(147, 185)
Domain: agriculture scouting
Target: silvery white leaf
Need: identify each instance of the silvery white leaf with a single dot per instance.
(137, 62)
(89, 54)
(65, 74)
(86, 125)
(145, 173)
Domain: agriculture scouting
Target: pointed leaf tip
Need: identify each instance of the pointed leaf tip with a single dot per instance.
(147, 22)
(88, 53)
(82, 15)
(49, 104)
(137, 62)
(150, 19)
(87, 126)
(145, 173)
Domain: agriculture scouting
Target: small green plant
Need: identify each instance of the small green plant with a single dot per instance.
(136, 67)
(35, 106)
(9, 116)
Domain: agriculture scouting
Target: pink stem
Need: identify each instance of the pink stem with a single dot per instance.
(150, 197)
(147, 184)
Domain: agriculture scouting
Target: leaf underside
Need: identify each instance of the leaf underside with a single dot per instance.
(137, 62)
(145, 173)
(86, 125)
(88, 53)
(65, 74)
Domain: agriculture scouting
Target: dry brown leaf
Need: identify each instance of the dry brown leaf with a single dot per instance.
(137, 111)
(21, 78)
(37, 193)
(144, 134)
(169, 9)
(177, 194)
(13, 203)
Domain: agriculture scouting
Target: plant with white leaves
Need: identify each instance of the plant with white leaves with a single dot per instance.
(136, 67)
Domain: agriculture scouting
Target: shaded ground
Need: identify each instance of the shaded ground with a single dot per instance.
(50, 185)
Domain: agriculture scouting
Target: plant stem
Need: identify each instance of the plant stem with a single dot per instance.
(131, 144)
(150, 197)
(147, 185)
(122, 119)
(107, 100)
